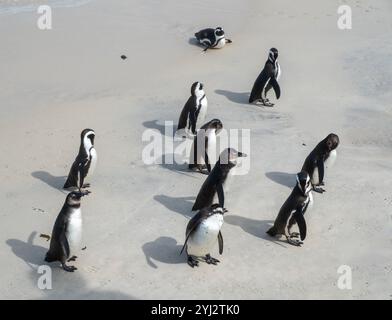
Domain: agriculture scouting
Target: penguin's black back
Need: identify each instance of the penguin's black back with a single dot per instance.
(310, 163)
(189, 105)
(267, 72)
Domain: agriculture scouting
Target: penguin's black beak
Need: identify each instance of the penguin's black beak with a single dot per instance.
(241, 154)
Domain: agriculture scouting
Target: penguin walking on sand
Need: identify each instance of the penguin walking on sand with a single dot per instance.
(294, 209)
(212, 38)
(267, 79)
(323, 156)
(215, 183)
(85, 162)
(194, 111)
(67, 232)
(202, 232)
(204, 147)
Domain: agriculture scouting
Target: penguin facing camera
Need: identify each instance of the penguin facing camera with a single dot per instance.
(293, 210)
(202, 232)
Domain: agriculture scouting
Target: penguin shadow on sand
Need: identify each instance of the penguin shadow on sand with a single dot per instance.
(180, 168)
(181, 205)
(65, 285)
(160, 126)
(56, 182)
(256, 228)
(194, 42)
(237, 97)
(163, 249)
(283, 178)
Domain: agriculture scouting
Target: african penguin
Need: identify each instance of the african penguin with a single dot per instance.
(67, 231)
(85, 162)
(212, 38)
(267, 79)
(294, 209)
(214, 185)
(204, 147)
(323, 156)
(194, 111)
(202, 232)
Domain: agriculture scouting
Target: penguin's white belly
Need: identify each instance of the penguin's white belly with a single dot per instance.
(205, 236)
(331, 159)
(221, 43)
(94, 158)
(202, 113)
(74, 230)
(315, 176)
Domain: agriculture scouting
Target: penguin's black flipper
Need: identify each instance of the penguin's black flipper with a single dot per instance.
(301, 223)
(72, 179)
(64, 247)
(221, 195)
(276, 87)
(220, 242)
(320, 166)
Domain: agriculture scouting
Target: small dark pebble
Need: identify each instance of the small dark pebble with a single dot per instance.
(84, 248)
(304, 144)
(123, 57)
(45, 236)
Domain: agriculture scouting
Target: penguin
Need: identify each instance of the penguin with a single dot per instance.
(84, 163)
(194, 111)
(201, 234)
(67, 231)
(203, 150)
(323, 156)
(267, 79)
(294, 208)
(212, 38)
(215, 183)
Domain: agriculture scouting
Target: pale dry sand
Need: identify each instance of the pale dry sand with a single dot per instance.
(55, 83)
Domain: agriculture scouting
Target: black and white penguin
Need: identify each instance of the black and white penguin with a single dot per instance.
(212, 38)
(204, 147)
(202, 232)
(67, 232)
(194, 111)
(85, 162)
(323, 156)
(267, 79)
(215, 183)
(294, 209)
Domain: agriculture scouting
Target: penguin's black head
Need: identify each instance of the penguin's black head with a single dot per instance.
(331, 141)
(73, 198)
(303, 182)
(219, 32)
(88, 135)
(217, 124)
(273, 54)
(197, 88)
(230, 156)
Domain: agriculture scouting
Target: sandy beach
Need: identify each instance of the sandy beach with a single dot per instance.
(55, 83)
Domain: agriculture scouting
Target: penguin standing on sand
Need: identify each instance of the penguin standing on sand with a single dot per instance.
(203, 151)
(67, 231)
(294, 209)
(202, 232)
(194, 111)
(323, 156)
(267, 79)
(84, 163)
(212, 38)
(214, 185)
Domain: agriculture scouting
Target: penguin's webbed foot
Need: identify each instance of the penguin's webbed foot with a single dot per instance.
(192, 262)
(211, 260)
(86, 185)
(318, 190)
(69, 268)
(294, 234)
(229, 41)
(73, 258)
(293, 242)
